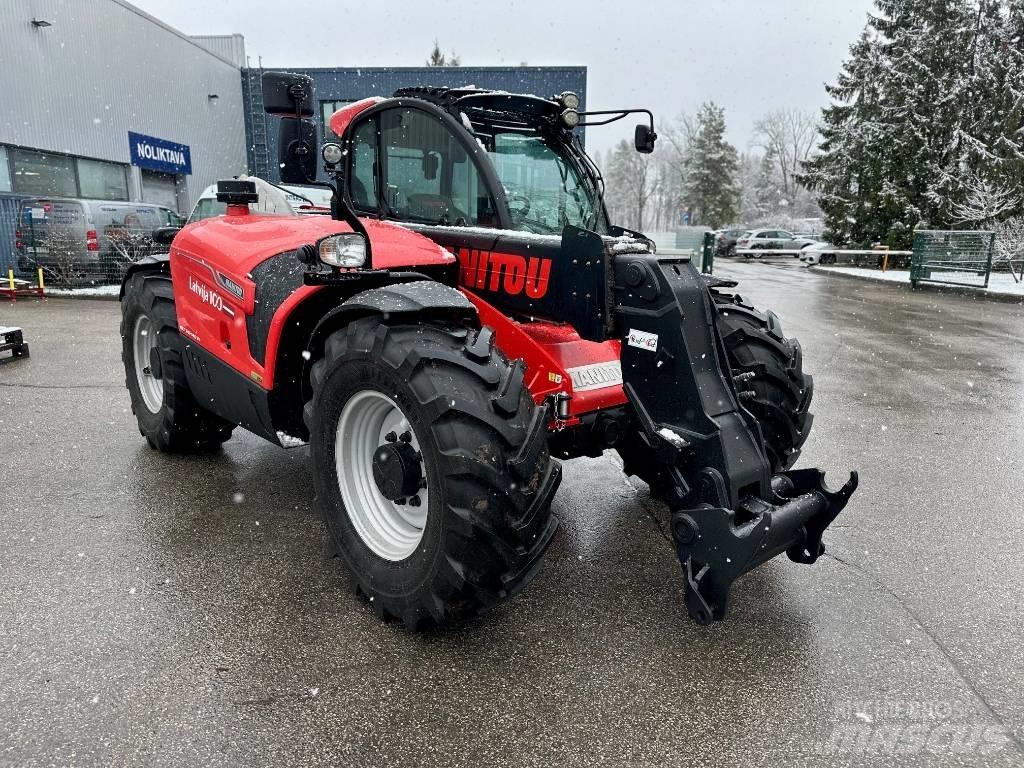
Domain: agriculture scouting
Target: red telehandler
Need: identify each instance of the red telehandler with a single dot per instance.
(465, 316)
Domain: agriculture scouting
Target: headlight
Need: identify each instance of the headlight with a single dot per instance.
(569, 100)
(570, 118)
(332, 153)
(346, 251)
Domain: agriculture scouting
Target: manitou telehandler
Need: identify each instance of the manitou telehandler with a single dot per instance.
(465, 314)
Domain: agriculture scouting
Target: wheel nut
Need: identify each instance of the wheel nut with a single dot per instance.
(391, 437)
(406, 437)
(400, 502)
(414, 501)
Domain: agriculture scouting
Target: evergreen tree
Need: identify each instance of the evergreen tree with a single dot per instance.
(711, 188)
(925, 122)
(768, 192)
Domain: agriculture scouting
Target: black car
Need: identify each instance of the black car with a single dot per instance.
(726, 239)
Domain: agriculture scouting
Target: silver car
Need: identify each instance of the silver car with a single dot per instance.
(772, 240)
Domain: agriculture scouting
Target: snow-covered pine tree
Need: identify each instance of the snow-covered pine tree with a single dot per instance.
(712, 163)
(848, 170)
(768, 191)
(896, 146)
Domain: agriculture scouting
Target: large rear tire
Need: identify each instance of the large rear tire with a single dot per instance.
(771, 382)
(775, 388)
(151, 349)
(463, 520)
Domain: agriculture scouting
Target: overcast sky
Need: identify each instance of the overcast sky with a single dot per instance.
(750, 56)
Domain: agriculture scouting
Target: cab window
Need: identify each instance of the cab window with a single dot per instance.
(428, 175)
(363, 178)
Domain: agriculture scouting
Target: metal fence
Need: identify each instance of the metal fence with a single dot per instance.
(952, 258)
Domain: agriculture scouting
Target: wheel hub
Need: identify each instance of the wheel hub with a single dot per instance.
(381, 475)
(397, 470)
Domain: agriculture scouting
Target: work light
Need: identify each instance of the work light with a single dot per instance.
(569, 100)
(332, 153)
(347, 251)
(570, 118)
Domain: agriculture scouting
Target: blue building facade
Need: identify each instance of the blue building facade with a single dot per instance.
(337, 87)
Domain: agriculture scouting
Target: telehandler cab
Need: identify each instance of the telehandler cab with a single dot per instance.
(464, 317)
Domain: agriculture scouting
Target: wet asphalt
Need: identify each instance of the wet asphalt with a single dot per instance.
(161, 610)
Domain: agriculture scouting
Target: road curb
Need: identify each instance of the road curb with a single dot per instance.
(1002, 298)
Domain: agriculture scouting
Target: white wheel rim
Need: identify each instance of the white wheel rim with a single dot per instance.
(392, 531)
(144, 342)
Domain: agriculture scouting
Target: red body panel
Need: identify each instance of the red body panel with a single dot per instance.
(339, 120)
(209, 256)
(553, 353)
(212, 261)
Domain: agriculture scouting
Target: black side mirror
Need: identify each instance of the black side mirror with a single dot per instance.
(644, 138)
(165, 235)
(296, 151)
(430, 163)
(288, 95)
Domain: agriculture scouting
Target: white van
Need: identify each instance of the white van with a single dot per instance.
(82, 238)
(301, 199)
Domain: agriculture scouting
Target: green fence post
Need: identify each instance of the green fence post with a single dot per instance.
(991, 251)
(916, 259)
(708, 259)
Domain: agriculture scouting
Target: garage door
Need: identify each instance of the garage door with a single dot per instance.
(160, 189)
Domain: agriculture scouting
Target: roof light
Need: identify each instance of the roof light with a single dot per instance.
(570, 118)
(332, 153)
(569, 100)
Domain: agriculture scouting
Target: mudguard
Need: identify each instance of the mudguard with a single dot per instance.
(423, 298)
(158, 262)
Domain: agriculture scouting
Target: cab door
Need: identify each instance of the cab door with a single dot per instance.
(411, 166)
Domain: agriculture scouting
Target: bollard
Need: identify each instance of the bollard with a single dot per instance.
(39, 275)
(10, 279)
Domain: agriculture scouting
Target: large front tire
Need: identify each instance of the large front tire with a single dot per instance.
(151, 349)
(447, 406)
(772, 382)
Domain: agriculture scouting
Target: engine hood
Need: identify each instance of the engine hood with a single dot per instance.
(241, 241)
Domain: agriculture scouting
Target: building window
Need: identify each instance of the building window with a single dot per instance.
(102, 181)
(5, 171)
(328, 108)
(40, 173)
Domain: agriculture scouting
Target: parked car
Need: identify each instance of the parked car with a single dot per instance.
(726, 239)
(301, 199)
(772, 240)
(818, 253)
(77, 238)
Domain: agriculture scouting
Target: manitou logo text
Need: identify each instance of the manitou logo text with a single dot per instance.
(208, 296)
(506, 272)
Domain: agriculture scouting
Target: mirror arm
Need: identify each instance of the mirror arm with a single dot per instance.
(617, 114)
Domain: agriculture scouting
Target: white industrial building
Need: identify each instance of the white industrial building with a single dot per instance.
(102, 100)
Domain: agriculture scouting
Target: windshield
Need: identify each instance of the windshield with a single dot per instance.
(546, 189)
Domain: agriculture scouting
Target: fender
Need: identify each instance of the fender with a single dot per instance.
(158, 262)
(423, 298)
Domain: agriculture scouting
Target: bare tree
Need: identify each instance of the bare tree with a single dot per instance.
(1010, 246)
(64, 249)
(630, 184)
(790, 135)
(128, 246)
(985, 201)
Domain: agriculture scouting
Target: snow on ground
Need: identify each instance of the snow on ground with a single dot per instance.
(1001, 284)
(92, 290)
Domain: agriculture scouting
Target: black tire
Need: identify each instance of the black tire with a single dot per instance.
(180, 425)
(484, 455)
(778, 392)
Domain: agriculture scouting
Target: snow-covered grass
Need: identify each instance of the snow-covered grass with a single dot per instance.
(999, 284)
(91, 291)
